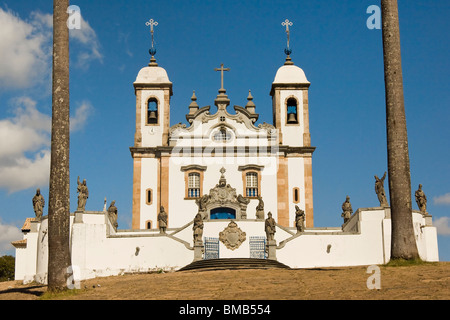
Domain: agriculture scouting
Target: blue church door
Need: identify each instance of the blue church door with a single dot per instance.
(223, 214)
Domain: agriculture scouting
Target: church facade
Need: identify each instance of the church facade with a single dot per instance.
(175, 167)
(218, 187)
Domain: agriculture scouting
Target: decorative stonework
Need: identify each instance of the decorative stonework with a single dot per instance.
(232, 236)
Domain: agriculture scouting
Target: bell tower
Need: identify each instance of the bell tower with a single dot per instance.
(290, 107)
(153, 91)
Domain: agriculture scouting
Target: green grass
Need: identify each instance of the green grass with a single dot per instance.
(408, 263)
(60, 294)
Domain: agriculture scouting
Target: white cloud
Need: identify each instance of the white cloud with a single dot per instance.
(25, 150)
(442, 200)
(82, 113)
(8, 233)
(90, 50)
(443, 226)
(28, 130)
(25, 49)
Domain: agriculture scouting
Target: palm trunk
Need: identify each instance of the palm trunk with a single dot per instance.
(59, 197)
(403, 244)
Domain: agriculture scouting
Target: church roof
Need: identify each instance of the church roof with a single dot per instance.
(153, 75)
(290, 73)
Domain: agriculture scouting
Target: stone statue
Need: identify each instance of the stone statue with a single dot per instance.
(347, 210)
(112, 214)
(379, 189)
(260, 209)
(162, 220)
(270, 227)
(202, 202)
(243, 203)
(421, 200)
(38, 204)
(198, 228)
(299, 219)
(83, 194)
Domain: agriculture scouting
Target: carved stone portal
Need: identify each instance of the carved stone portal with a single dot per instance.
(232, 236)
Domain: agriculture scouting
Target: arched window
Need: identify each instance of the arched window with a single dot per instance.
(194, 185)
(296, 195)
(152, 111)
(222, 135)
(292, 111)
(148, 224)
(251, 184)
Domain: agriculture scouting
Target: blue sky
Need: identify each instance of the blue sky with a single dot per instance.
(341, 57)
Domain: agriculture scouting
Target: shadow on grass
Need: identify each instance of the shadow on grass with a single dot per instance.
(34, 290)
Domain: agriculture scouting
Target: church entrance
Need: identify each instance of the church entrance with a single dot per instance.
(223, 214)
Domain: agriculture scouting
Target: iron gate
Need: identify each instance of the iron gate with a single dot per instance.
(211, 248)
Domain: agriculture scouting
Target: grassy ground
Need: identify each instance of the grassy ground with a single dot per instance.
(398, 281)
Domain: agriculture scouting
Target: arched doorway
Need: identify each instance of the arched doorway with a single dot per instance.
(222, 214)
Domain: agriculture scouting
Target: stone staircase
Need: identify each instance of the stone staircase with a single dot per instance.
(233, 263)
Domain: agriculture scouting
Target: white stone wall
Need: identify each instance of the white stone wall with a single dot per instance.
(149, 180)
(98, 250)
(296, 176)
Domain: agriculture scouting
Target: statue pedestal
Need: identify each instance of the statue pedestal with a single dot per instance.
(271, 250)
(199, 249)
(78, 217)
(428, 219)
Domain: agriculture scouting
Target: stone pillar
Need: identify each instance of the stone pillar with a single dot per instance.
(271, 250)
(78, 217)
(199, 249)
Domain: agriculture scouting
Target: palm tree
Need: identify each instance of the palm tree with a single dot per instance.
(59, 193)
(403, 244)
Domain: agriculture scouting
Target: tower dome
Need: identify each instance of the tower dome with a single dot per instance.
(152, 74)
(290, 73)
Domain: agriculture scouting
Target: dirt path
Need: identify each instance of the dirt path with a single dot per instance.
(420, 282)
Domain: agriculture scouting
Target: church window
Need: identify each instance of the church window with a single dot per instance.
(296, 195)
(252, 184)
(194, 185)
(152, 111)
(148, 224)
(222, 135)
(292, 111)
(149, 196)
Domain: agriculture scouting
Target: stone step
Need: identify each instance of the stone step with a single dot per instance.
(234, 263)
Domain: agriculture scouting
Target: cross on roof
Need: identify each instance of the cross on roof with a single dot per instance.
(287, 24)
(152, 23)
(222, 69)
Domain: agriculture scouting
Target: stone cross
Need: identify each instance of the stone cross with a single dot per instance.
(222, 69)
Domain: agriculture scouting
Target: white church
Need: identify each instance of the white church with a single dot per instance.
(221, 167)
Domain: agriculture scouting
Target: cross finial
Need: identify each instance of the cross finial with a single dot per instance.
(222, 69)
(288, 24)
(152, 23)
